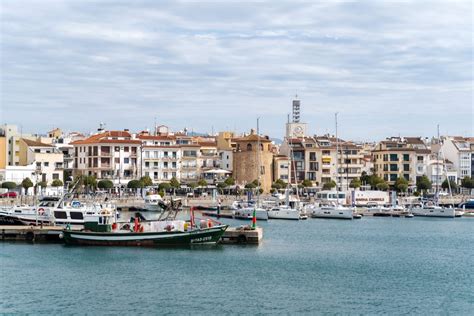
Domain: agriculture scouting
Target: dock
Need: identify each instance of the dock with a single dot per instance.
(30, 233)
(242, 235)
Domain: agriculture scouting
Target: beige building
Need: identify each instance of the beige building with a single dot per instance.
(47, 159)
(398, 157)
(108, 155)
(248, 156)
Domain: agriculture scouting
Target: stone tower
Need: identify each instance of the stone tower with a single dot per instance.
(246, 161)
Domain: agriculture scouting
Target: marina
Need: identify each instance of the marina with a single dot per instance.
(321, 264)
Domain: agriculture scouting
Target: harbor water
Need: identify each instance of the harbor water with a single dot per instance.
(367, 266)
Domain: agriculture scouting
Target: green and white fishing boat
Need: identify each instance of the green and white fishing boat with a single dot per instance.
(104, 231)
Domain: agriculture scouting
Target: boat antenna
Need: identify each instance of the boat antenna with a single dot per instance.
(437, 169)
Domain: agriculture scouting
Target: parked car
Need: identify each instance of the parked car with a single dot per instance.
(11, 194)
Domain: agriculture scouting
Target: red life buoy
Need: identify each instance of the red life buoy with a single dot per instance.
(41, 211)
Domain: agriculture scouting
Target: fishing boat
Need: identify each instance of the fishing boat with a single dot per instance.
(104, 231)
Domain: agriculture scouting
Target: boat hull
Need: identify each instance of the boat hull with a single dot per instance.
(147, 239)
(284, 214)
(332, 214)
(449, 213)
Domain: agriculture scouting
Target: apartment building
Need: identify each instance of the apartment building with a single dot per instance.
(108, 155)
(458, 150)
(161, 157)
(398, 157)
(47, 159)
(281, 168)
(314, 158)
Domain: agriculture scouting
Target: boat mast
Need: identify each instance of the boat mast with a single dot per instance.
(437, 169)
(337, 163)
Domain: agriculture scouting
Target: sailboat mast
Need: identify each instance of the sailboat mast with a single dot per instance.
(437, 169)
(337, 162)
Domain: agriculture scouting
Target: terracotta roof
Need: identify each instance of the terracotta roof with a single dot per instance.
(33, 143)
(151, 137)
(207, 143)
(252, 138)
(103, 138)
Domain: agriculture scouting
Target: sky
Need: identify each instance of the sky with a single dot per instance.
(388, 68)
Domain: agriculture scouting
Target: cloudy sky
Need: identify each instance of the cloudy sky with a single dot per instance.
(398, 67)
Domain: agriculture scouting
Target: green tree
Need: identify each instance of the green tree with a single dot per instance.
(445, 185)
(467, 183)
(365, 178)
(423, 184)
(375, 180)
(229, 181)
(401, 185)
(105, 184)
(355, 183)
(26, 184)
(9, 185)
(307, 183)
(255, 182)
(202, 183)
(146, 181)
(135, 184)
(174, 183)
(67, 176)
(57, 183)
(90, 182)
(329, 185)
(250, 185)
(164, 186)
(382, 186)
(42, 184)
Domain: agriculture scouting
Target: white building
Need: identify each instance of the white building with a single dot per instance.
(458, 151)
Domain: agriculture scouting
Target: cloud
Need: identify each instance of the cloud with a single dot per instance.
(384, 66)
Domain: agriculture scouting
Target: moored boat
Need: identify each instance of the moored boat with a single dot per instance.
(104, 232)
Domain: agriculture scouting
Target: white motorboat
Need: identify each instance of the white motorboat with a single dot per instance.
(430, 210)
(284, 212)
(331, 211)
(153, 203)
(247, 213)
(51, 211)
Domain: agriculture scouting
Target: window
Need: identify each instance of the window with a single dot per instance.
(60, 215)
(393, 167)
(117, 148)
(393, 177)
(173, 174)
(393, 157)
(46, 164)
(76, 215)
(312, 156)
(155, 164)
(249, 147)
(419, 158)
(55, 176)
(406, 157)
(406, 176)
(165, 164)
(126, 149)
(165, 154)
(173, 164)
(117, 160)
(165, 175)
(147, 164)
(406, 167)
(38, 164)
(126, 160)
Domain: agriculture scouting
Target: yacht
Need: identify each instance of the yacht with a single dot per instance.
(331, 211)
(51, 211)
(247, 213)
(431, 210)
(283, 212)
(153, 203)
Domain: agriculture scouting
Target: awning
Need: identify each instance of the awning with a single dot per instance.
(217, 171)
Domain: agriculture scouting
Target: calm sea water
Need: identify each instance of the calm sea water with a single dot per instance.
(368, 266)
